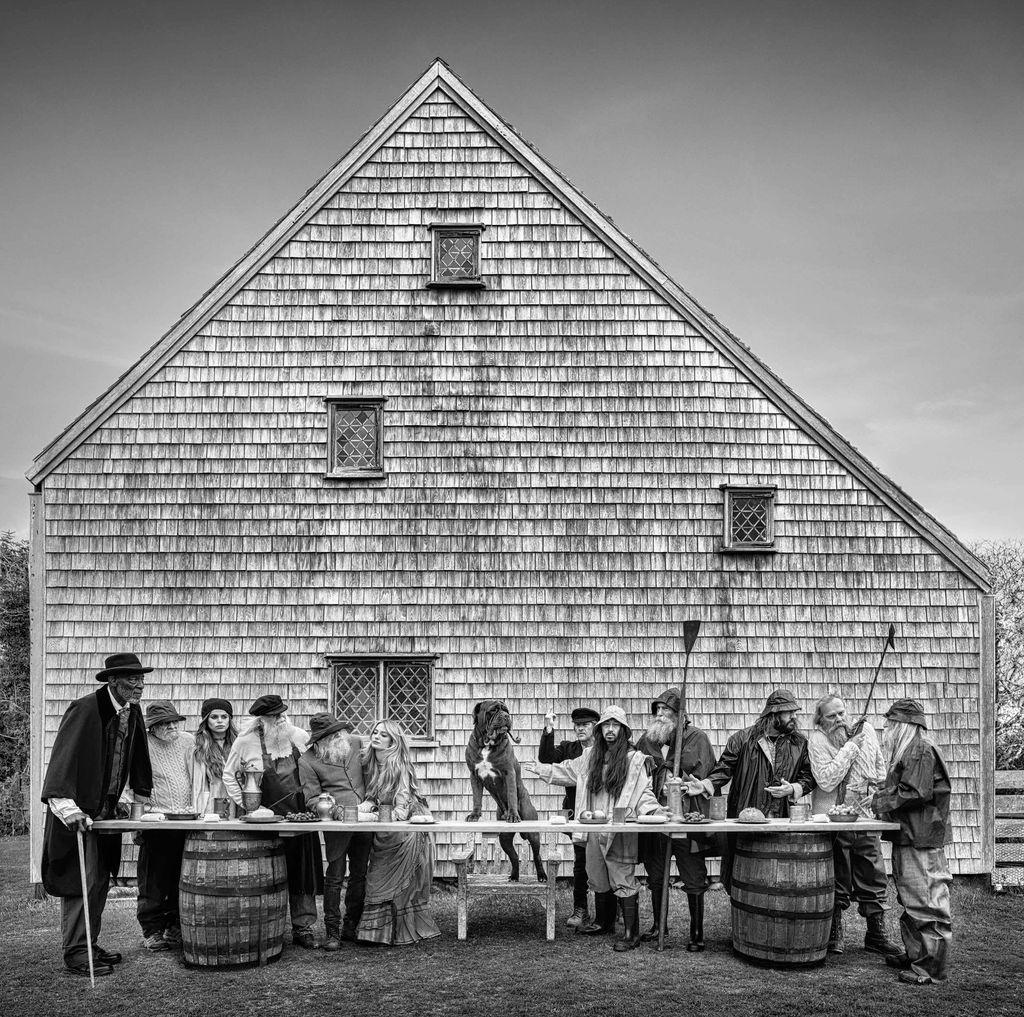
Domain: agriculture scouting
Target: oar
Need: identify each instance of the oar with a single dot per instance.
(691, 630)
(889, 642)
(85, 904)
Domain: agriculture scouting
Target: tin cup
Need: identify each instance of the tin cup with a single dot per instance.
(351, 814)
(799, 812)
(718, 808)
(138, 810)
(619, 814)
(384, 812)
(220, 807)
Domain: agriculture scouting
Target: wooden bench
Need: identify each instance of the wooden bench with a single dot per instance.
(483, 871)
(1009, 868)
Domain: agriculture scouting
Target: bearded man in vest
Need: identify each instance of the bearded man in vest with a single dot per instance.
(100, 749)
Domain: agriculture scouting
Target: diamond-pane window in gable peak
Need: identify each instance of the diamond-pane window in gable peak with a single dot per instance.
(401, 689)
(355, 441)
(456, 256)
(749, 518)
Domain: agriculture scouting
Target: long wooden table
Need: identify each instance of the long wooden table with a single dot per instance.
(497, 826)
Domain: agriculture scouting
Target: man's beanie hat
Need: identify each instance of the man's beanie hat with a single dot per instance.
(209, 705)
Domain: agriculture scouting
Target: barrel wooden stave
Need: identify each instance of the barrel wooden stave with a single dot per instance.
(782, 898)
(233, 899)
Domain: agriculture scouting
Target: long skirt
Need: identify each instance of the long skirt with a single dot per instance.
(397, 909)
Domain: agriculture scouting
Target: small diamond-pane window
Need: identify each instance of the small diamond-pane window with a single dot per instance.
(366, 690)
(355, 437)
(749, 518)
(456, 256)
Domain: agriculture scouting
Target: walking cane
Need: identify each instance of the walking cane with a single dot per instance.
(691, 630)
(889, 642)
(85, 904)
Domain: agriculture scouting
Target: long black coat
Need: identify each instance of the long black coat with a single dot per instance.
(916, 795)
(549, 752)
(744, 763)
(76, 770)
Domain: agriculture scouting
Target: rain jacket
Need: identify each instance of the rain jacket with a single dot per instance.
(916, 795)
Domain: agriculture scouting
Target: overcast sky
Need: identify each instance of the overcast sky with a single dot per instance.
(840, 184)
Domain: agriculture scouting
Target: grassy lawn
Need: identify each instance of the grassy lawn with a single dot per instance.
(506, 967)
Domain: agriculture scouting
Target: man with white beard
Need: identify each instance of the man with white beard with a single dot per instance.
(696, 760)
(273, 745)
(331, 765)
(916, 795)
(172, 755)
(847, 770)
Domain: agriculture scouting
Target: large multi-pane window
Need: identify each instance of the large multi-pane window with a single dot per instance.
(749, 518)
(355, 437)
(367, 689)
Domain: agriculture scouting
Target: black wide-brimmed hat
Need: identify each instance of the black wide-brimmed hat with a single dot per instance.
(780, 701)
(322, 725)
(121, 664)
(585, 715)
(910, 711)
(268, 706)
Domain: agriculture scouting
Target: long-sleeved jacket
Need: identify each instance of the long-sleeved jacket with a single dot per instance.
(549, 752)
(696, 759)
(342, 780)
(916, 795)
(745, 763)
(636, 796)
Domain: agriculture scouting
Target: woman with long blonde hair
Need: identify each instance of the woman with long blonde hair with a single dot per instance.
(401, 867)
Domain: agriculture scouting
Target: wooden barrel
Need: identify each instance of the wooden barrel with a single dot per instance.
(233, 898)
(782, 894)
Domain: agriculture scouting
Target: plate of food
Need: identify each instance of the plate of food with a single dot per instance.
(693, 818)
(843, 814)
(254, 818)
(594, 817)
(422, 820)
(655, 819)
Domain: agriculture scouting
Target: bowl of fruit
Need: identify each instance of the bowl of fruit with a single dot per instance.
(595, 817)
(843, 814)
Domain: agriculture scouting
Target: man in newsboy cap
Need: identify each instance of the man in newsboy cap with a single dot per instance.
(916, 795)
(100, 749)
(768, 765)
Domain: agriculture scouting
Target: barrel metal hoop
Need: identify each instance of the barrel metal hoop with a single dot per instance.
(779, 951)
(233, 891)
(797, 856)
(204, 857)
(783, 891)
(784, 915)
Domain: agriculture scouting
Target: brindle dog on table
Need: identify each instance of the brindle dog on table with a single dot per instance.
(493, 765)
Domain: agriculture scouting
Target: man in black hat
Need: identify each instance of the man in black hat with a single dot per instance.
(332, 765)
(99, 749)
(916, 795)
(768, 765)
(696, 760)
(273, 746)
(583, 721)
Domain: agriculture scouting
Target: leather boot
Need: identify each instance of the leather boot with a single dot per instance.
(631, 920)
(835, 934)
(652, 933)
(876, 940)
(604, 916)
(696, 903)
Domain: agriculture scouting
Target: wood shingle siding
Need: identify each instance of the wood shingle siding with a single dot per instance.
(550, 512)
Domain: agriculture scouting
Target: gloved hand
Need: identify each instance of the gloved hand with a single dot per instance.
(78, 821)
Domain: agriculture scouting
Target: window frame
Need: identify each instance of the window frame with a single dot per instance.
(382, 659)
(732, 546)
(333, 404)
(438, 230)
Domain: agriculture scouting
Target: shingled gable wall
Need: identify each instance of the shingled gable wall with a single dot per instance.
(551, 511)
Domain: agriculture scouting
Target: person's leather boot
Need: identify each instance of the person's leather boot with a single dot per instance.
(876, 940)
(82, 968)
(604, 916)
(835, 934)
(101, 956)
(696, 904)
(651, 934)
(630, 907)
(579, 916)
